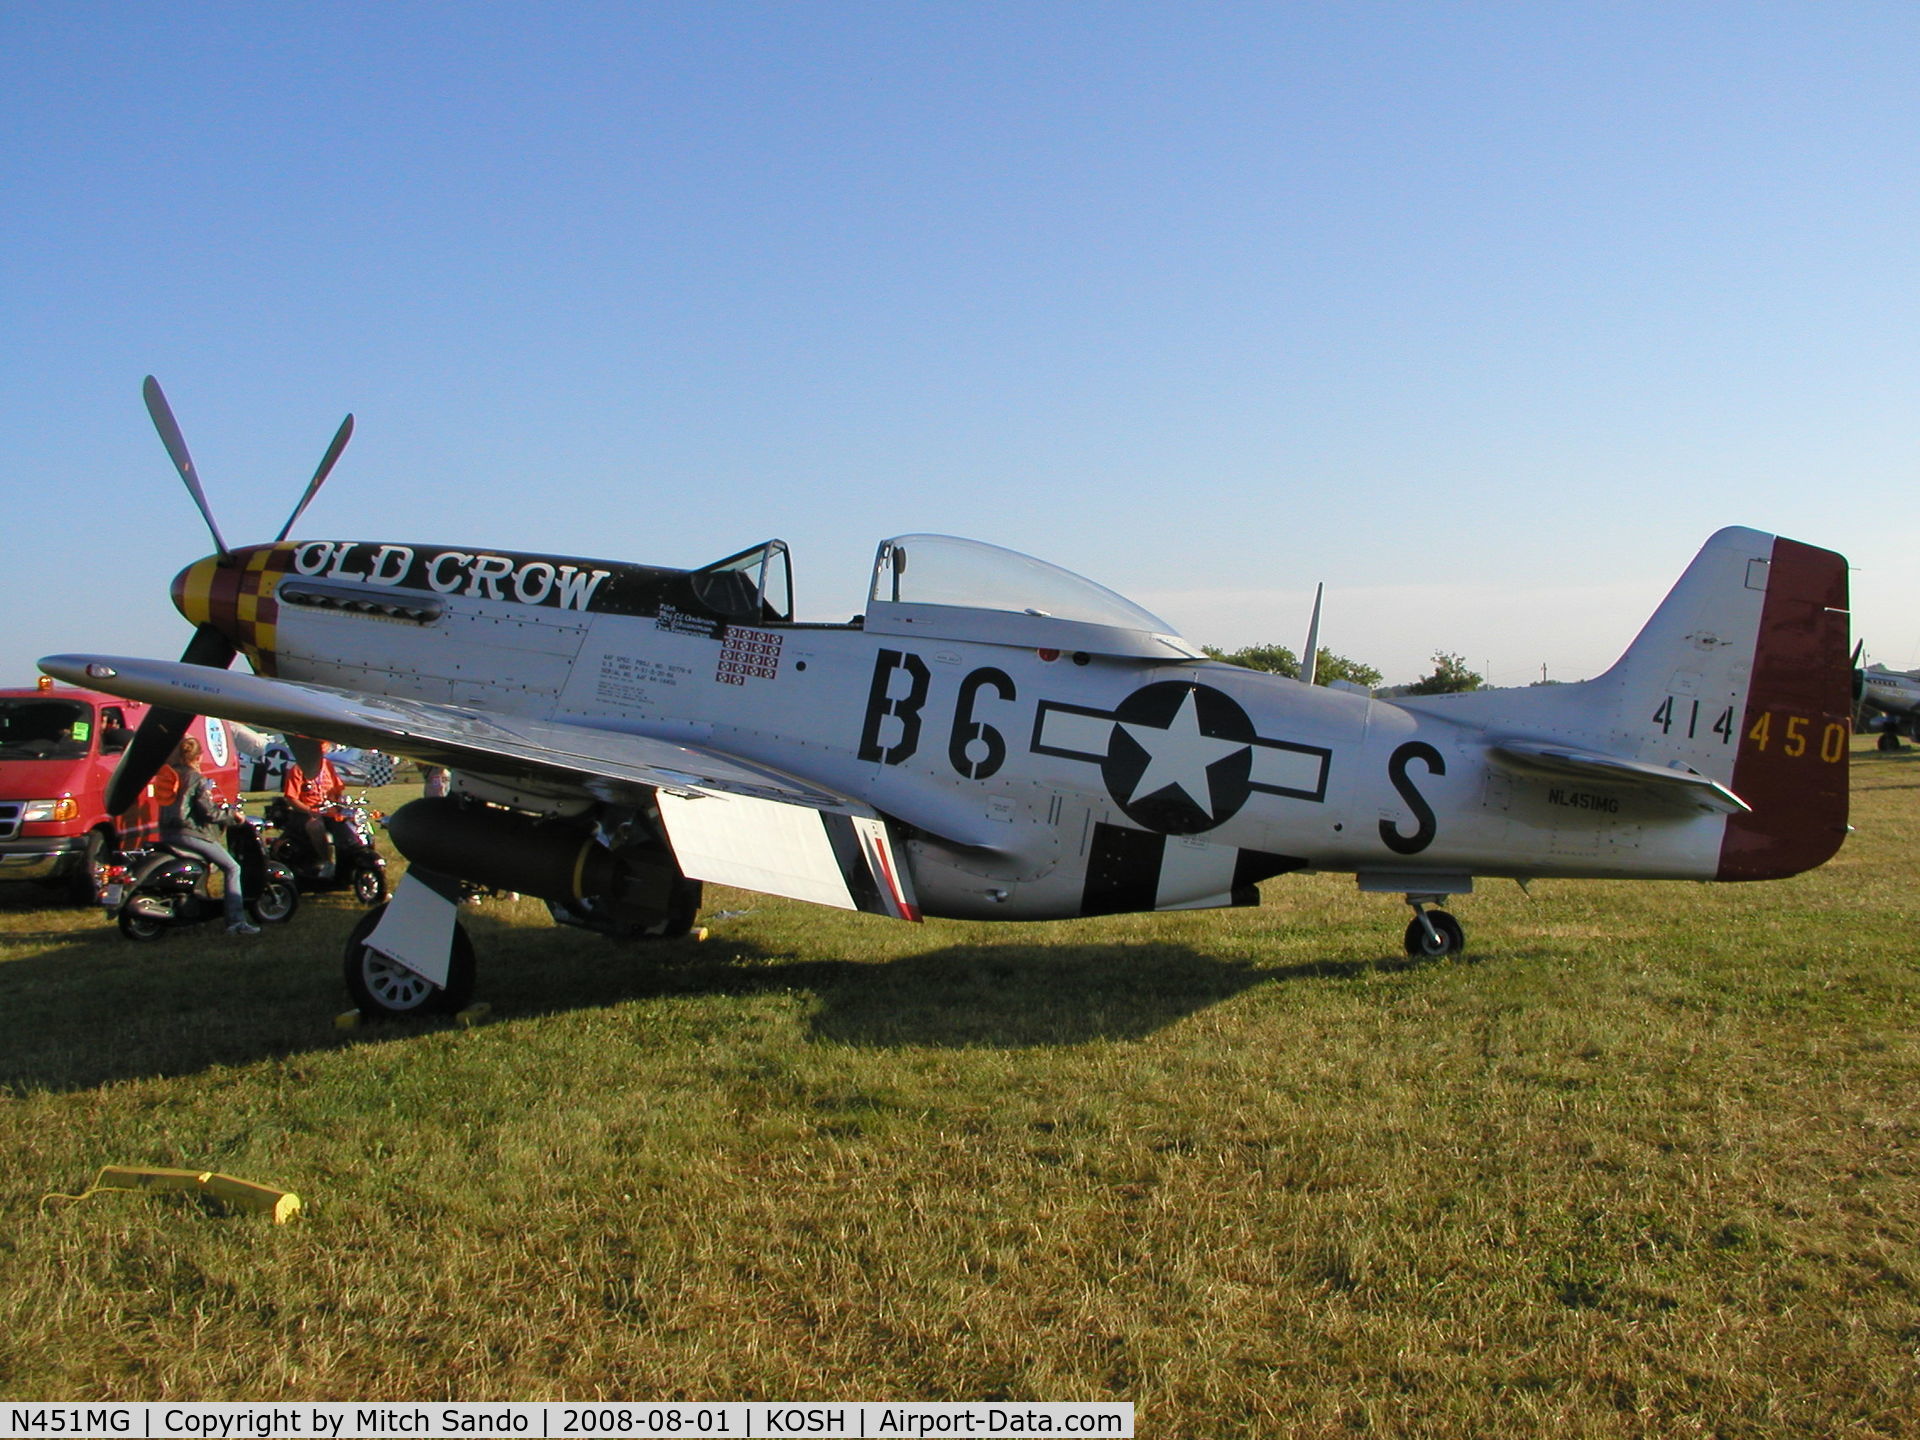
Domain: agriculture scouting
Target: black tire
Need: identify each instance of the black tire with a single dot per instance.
(370, 885)
(1889, 741)
(276, 902)
(140, 927)
(385, 990)
(683, 908)
(1450, 937)
(80, 885)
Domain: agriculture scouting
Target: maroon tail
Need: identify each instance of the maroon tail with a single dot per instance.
(1792, 762)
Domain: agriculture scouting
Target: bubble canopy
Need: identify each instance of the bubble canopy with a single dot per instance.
(942, 585)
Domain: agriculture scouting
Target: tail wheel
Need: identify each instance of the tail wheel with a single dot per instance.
(276, 902)
(1445, 938)
(384, 988)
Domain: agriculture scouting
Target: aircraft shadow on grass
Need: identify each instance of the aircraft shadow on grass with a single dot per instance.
(96, 1009)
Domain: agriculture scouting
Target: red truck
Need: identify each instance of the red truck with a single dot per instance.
(58, 749)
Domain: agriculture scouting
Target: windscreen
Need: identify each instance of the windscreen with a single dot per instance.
(946, 570)
(44, 729)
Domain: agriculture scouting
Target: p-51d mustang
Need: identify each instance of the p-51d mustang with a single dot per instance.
(1890, 704)
(994, 739)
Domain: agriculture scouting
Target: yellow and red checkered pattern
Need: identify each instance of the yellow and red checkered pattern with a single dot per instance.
(236, 597)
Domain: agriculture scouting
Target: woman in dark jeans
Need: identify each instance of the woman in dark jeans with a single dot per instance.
(189, 815)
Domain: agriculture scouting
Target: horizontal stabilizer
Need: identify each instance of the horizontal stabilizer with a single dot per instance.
(1536, 757)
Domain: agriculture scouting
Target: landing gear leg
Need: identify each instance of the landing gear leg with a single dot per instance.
(1433, 934)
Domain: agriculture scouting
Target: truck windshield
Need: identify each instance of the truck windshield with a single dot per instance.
(44, 729)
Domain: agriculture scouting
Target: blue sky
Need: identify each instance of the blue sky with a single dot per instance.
(1484, 314)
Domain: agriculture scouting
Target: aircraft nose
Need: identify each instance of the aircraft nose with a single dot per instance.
(193, 590)
(236, 597)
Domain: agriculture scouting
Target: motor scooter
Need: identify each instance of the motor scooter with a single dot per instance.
(151, 892)
(358, 864)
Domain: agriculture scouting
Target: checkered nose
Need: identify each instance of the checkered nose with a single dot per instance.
(236, 597)
(193, 590)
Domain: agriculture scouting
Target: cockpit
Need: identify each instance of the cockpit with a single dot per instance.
(754, 585)
(944, 587)
(946, 570)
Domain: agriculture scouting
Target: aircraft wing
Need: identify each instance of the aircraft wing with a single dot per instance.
(763, 829)
(1540, 757)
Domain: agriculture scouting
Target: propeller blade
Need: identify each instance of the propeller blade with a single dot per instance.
(209, 647)
(161, 730)
(152, 743)
(176, 444)
(340, 438)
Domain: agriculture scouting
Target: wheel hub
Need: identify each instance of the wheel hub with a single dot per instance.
(393, 984)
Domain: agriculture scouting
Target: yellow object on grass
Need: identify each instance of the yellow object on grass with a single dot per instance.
(283, 1205)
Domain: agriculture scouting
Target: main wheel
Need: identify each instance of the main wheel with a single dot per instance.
(369, 884)
(276, 902)
(385, 989)
(1448, 938)
(683, 908)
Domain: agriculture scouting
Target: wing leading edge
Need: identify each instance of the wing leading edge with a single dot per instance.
(729, 821)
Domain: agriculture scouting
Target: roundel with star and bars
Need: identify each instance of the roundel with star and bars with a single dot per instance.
(1181, 758)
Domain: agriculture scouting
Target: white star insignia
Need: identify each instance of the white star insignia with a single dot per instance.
(1179, 756)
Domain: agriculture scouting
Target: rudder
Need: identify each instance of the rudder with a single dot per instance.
(1742, 675)
(1791, 763)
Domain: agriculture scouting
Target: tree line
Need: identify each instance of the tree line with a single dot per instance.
(1450, 673)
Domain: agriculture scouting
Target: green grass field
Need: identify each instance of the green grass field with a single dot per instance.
(1647, 1163)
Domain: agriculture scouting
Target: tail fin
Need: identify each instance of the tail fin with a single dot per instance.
(1742, 675)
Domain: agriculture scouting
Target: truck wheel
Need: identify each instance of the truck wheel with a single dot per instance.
(81, 888)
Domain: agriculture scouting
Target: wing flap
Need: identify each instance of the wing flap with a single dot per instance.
(1557, 761)
(828, 858)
